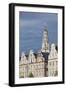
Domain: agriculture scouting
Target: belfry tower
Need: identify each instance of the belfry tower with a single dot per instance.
(45, 44)
(45, 49)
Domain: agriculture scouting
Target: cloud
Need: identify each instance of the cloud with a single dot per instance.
(31, 20)
(28, 23)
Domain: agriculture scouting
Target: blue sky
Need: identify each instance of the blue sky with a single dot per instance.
(31, 27)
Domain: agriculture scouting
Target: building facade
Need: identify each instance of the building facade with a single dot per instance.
(41, 64)
(53, 61)
(31, 65)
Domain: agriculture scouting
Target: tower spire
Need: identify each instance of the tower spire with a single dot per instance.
(45, 44)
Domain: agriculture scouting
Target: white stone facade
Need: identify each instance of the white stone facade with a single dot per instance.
(34, 64)
(53, 62)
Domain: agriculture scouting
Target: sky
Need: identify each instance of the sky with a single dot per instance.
(31, 27)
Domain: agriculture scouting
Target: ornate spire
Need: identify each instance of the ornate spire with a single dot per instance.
(45, 44)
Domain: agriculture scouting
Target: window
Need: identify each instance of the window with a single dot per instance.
(50, 63)
(53, 63)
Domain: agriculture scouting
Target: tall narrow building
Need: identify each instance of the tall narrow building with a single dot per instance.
(45, 44)
(45, 49)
